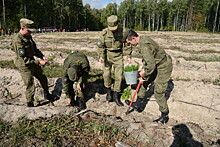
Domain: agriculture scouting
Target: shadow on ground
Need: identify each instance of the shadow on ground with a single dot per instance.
(183, 137)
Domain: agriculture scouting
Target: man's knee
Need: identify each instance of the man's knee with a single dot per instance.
(160, 88)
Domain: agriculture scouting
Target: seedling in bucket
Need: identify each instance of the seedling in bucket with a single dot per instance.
(131, 72)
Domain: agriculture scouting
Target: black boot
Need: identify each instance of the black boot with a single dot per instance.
(48, 96)
(73, 102)
(109, 97)
(81, 103)
(138, 105)
(116, 97)
(30, 104)
(163, 118)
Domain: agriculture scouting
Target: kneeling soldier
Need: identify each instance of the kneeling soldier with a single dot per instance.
(75, 72)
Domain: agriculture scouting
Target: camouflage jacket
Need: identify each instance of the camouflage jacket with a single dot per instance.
(78, 60)
(113, 41)
(25, 49)
(153, 55)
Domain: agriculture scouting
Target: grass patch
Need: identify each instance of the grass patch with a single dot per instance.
(53, 71)
(176, 48)
(7, 64)
(95, 75)
(182, 79)
(208, 41)
(90, 54)
(203, 59)
(61, 131)
(65, 40)
(87, 53)
(5, 47)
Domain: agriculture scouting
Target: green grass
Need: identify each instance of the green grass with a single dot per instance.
(51, 58)
(182, 79)
(5, 47)
(95, 75)
(64, 40)
(87, 53)
(53, 71)
(203, 59)
(7, 64)
(208, 41)
(193, 51)
(60, 131)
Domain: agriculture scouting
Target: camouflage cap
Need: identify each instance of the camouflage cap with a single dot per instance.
(112, 22)
(72, 73)
(26, 23)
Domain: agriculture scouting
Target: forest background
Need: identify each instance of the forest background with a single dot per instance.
(149, 15)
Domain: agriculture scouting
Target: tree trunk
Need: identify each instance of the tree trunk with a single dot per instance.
(4, 20)
(158, 22)
(190, 15)
(187, 22)
(182, 28)
(141, 25)
(218, 25)
(177, 19)
(216, 15)
(161, 22)
(149, 28)
(174, 23)
(25, 10)
(124, 22)
(153, 21)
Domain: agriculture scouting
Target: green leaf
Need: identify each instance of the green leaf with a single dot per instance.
(131, 68)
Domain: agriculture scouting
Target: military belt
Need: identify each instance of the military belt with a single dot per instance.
(115, 51)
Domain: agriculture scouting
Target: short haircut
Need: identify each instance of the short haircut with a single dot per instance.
(131, 34)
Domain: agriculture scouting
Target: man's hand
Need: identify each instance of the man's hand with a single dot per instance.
(45, 59)
(42, 62)
(68, 101)
(129, 60)
(101, 60)
(142, 72)
(78, 87)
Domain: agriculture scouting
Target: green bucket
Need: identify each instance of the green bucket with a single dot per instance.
(131, 77)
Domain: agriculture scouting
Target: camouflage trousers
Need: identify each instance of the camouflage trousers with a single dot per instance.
(113, 67)
(28, 73)
(160, 77)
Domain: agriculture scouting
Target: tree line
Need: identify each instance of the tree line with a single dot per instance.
(151, 15)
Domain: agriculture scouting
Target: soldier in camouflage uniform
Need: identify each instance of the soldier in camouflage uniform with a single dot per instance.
(75, 72)
(25, 49)
(110, 45)
(157, 68)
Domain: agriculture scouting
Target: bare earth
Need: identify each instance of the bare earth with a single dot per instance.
(194, 99)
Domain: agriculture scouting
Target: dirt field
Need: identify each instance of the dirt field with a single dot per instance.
(193, 92)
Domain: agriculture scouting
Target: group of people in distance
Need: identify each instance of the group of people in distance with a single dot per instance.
(112, 42)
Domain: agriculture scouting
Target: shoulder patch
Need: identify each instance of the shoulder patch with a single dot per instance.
(104, 31)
